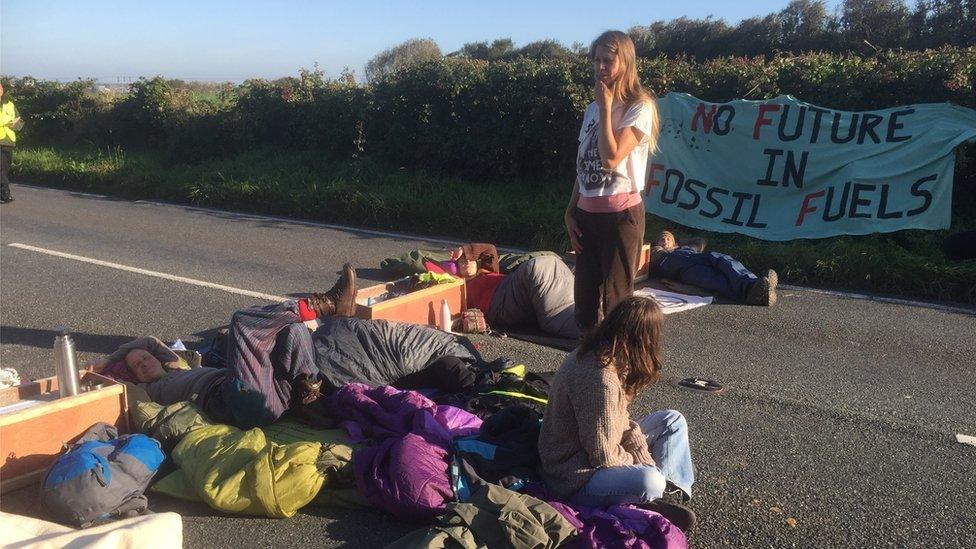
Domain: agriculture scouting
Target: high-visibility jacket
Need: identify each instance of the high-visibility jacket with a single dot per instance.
(10, 122)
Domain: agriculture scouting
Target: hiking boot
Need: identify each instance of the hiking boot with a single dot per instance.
(763, 291)
(679, 515)
(340, 300)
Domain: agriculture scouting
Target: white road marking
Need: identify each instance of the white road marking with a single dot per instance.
(147, 272)
(965, 439)
(392, 234)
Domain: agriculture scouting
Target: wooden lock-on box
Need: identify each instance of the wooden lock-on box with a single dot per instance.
(419, 307)
(35, 423)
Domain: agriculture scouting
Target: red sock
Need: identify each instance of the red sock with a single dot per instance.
(305, 312)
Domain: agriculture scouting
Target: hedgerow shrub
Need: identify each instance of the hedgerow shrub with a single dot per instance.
(475, 119)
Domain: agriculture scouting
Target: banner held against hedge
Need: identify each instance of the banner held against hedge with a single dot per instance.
(783, 169)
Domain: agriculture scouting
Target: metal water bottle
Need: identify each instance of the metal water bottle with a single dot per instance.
(65, 362)
(445, 316)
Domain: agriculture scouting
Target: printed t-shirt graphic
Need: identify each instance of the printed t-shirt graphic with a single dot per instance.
(628, 177)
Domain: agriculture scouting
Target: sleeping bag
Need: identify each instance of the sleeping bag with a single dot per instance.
(242, 472)
(379, 352)
(539, 291)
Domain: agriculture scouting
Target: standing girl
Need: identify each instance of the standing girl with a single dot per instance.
(592, 454)
(605, 216)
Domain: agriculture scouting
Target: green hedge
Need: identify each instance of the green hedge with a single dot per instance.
(475, 119)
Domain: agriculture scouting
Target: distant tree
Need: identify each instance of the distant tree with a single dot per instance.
(703, 38)
(756, 36)
(918, 24)
(399, 56)
(949, 23)
(804, 24)
(645, 42)
(882, 23)
(502, 48)
(545, 49)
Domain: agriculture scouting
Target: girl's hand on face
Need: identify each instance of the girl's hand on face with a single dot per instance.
(604, 95)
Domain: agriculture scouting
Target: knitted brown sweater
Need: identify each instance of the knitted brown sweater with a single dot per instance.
(586, 426)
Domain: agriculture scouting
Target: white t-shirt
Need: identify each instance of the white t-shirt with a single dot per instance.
(628, 177)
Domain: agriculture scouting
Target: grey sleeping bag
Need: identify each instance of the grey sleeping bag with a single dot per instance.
(540, 290)
(379, 352)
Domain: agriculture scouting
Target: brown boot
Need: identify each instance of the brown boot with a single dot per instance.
(763, 291)
(340, 300)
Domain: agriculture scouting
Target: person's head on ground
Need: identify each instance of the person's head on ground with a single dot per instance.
(474, 259)
(463, 267)
(144, 365)
(629, 340)
(666, 240)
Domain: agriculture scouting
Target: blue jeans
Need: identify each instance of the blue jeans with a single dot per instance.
(667, 438)
(715, 272)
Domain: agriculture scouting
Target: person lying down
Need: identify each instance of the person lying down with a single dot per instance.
(538, 290)
(274, 363)
(712, 271)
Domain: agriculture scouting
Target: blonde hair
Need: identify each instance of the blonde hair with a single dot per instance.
(627, 88)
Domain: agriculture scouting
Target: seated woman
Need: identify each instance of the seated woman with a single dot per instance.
(715, 272)
(539, 290)
(592, 454)
(270, 361)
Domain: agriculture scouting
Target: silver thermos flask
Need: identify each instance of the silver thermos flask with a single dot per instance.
(65, 363)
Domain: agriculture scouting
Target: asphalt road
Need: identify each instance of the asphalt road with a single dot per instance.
(836, 428)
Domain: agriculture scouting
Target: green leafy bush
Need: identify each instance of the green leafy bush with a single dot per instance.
(476, 119)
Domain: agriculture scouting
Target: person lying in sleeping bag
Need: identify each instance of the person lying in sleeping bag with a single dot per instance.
(274, 363)
(713, 271)
(540, 289)
(270, 361)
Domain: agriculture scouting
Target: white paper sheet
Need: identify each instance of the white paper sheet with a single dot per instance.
(673, 302)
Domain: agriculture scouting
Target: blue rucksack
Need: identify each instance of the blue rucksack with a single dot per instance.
(101, 476)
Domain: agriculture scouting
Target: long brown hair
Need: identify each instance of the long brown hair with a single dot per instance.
(627, 88)
(629, 340)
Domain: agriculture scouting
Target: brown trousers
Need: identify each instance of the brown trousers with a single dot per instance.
(605, 269)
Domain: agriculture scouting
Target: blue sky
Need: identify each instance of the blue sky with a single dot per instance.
(234, 40)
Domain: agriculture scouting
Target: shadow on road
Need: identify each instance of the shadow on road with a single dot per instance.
(44, 339)
(85, 342)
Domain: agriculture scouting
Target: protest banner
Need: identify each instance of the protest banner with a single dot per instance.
(782, 169)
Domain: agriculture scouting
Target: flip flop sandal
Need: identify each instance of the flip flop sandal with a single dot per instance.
(701, 385)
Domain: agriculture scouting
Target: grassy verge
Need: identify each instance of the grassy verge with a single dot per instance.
(529, 214)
